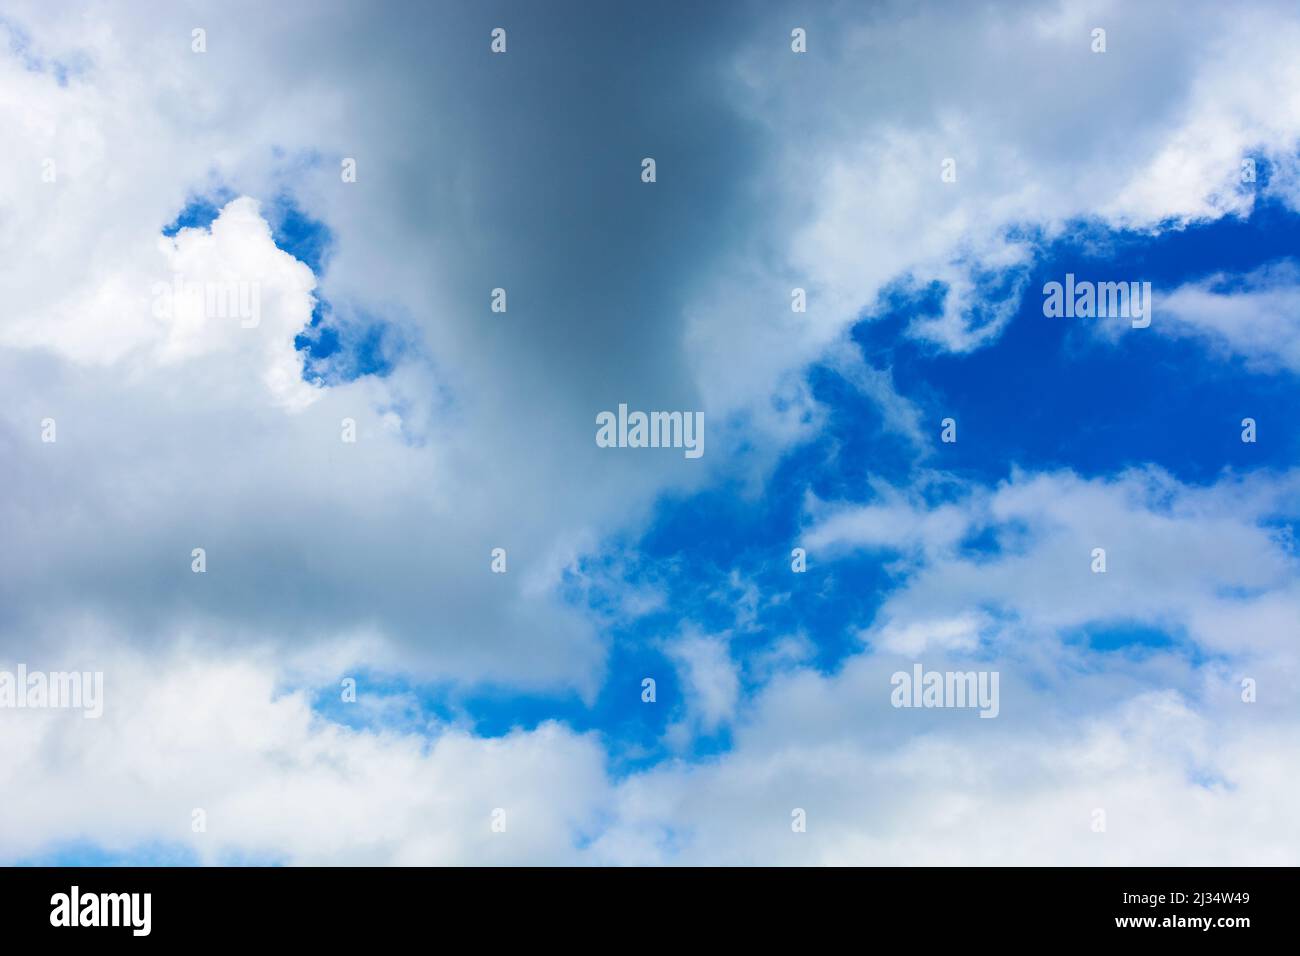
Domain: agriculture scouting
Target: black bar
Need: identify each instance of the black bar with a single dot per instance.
(367, 906)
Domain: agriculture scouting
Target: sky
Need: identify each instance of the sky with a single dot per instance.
(916, 469)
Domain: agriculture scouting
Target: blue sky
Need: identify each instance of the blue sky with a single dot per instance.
(331, 560)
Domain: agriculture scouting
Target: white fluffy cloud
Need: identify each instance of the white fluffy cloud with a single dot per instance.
(1177, 556)
(184, 731)
(877, 792)
(225, 289)
(1255, 317)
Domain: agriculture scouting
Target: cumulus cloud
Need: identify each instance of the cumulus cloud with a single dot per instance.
(1153, 767)
(225, 289)
(185, 731)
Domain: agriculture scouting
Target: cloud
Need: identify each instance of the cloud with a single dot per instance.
(961, 632)
(1156, 769)
(226, 289)
(710, 682)
(186, 731)
(1177, 556)
(1254, 317)
(900, 415)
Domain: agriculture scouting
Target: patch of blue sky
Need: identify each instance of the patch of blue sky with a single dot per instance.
(1208, 779)
(306, 239)
(382, 701)
(336, 351)
(1102, 641)
(713, 545)
(630, 728)
(1133, 637)
(1049, 393)
(993, 541)
(1285, 529)
(89, 853)
(200, 211)
(855, 444)
(340, 343)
